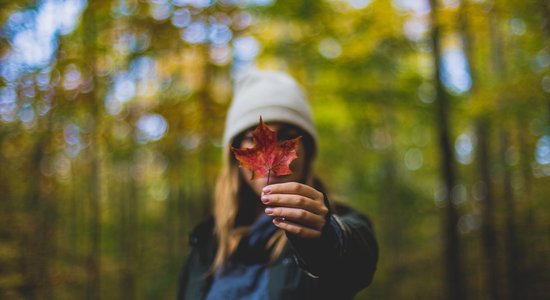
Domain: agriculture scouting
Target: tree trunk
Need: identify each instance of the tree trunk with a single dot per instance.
(40, 207)
(208, 114)
(454, 277)
(37, 236)
(545, 16)
(483, 126)
(488, 232)
(127, 231)
(526, 153)
(93, 261)
(512, 246)
(392, 228)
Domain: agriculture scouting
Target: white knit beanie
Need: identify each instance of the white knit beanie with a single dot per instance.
(273, 95)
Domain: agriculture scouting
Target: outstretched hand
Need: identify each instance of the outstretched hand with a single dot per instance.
(298, 208)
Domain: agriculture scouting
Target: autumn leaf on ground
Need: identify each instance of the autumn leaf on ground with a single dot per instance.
(266, 155)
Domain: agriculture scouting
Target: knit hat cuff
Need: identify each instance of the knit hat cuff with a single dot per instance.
(268, 114)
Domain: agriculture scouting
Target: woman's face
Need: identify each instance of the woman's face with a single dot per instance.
(298, 165)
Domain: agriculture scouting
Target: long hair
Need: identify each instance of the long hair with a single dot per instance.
(231, 191)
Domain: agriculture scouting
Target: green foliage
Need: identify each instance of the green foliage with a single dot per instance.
(109, 149)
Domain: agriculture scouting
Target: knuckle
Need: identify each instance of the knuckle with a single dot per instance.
(320, 196)
(296, 187)
(299, 231)
(302, 214)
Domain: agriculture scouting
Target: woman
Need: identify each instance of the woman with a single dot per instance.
(283, 240)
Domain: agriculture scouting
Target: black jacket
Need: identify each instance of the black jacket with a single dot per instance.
(306, 269)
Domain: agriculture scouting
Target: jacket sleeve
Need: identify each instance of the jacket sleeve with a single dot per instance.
(183, 279)
(346, 254)
(194, 277)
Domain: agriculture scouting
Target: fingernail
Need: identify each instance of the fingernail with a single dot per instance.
(265, 199)
(267, 190)
(269, 210)
(277, 221)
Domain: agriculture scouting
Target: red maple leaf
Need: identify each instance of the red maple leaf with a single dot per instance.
(266, 155)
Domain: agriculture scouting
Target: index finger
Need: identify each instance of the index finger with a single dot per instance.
(293, 188)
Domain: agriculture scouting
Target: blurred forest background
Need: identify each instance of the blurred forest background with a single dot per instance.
(435, 118)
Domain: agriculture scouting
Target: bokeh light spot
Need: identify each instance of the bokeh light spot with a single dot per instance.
(359, 4)
(220, 34)
(151, 127)
(464, 147)
(517, 26)
(542, 152)
(414, 159)
(181, 18)
(195, 33)
(330, 48)
(415, 28)
(72, 77)
(245, 48)
(455, 71)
